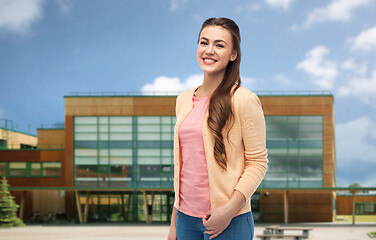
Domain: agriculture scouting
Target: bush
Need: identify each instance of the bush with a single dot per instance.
(8, 207)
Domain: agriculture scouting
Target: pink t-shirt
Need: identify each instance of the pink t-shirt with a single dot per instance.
(194, 181)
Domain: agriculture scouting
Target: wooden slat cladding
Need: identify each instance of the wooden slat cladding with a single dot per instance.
(99, 106)
(303, 206)
(20, 156)
(28, 203)
(46, 201)
(52, 156)
(344, 203)
(151, 106)
(120, 106)
(51, 138)
(36, 181)
(32, 156)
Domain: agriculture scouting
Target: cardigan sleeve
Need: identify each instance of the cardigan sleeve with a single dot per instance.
(176, 170)
(254, 139)
(177, 105)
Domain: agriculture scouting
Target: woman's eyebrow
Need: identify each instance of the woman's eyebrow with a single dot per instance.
(216, 41)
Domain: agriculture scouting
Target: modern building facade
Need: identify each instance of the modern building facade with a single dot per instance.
(365, 204)
(11, 139)
(113, 161)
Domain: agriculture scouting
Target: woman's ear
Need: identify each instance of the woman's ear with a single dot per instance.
(233, 56)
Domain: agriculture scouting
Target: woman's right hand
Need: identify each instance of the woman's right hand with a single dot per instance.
(172, 233)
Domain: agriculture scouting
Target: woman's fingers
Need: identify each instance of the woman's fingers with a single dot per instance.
(215, 234)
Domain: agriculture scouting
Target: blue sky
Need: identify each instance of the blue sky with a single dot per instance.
(50, 48)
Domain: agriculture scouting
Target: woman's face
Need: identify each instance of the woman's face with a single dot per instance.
(214, 50)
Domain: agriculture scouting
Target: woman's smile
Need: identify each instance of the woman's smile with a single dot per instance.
(209, 61)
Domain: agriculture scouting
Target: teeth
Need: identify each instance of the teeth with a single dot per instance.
(209, 60)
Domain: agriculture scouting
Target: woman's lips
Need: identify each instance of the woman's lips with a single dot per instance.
(209, 61)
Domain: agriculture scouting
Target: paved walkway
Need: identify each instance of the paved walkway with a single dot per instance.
(159, 232)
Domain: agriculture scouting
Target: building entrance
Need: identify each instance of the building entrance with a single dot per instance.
(119, 206)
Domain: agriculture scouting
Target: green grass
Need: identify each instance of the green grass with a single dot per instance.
(358, 218)
(372, 234)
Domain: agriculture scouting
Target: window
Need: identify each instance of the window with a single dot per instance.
(17, 169)
(117, 151)
(30, 169)
(3, 144)
(27, 146)
(295, 148)
(51, 169)
(36, 169)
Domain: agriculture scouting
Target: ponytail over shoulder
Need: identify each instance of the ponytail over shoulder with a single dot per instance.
(220, 106)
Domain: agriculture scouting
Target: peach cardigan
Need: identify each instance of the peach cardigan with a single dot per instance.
(246, 151)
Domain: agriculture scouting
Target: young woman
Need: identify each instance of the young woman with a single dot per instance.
(219, 147)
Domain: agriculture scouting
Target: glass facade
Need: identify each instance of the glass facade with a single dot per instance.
(295, 147)
(365, 208)
(124, 151)
(137, 151)
(127, 206)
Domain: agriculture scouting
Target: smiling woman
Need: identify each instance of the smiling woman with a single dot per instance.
(215, 50)
(219, 145)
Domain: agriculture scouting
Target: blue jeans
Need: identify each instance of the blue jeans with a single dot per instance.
(241, 227)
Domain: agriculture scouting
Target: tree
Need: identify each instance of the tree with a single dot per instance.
(357, 185)
(8, 207)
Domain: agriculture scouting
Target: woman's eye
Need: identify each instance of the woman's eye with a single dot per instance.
(220, 45)
(203, 43)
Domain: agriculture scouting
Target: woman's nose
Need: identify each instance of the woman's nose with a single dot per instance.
(210, 49)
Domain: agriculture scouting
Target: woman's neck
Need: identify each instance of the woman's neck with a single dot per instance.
(210, 83)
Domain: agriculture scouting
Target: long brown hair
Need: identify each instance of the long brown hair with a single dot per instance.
(220, 107)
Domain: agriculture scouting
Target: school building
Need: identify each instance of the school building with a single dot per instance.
(113, 160)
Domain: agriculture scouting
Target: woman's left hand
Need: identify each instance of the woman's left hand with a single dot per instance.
(217, 220)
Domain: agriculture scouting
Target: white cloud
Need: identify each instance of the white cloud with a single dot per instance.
(362, 70)
(177, 4)
(171, 86)
(248, 8)
(322, 71)
(198, 18)
(336, 11)
(362, 87)
(355, 69)
(370, 181)
(349, 64)
(17, 16)
(65, 6)
(354, 141)
(365, 41)
(281, 78)
(285, 4)
(247, 81)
